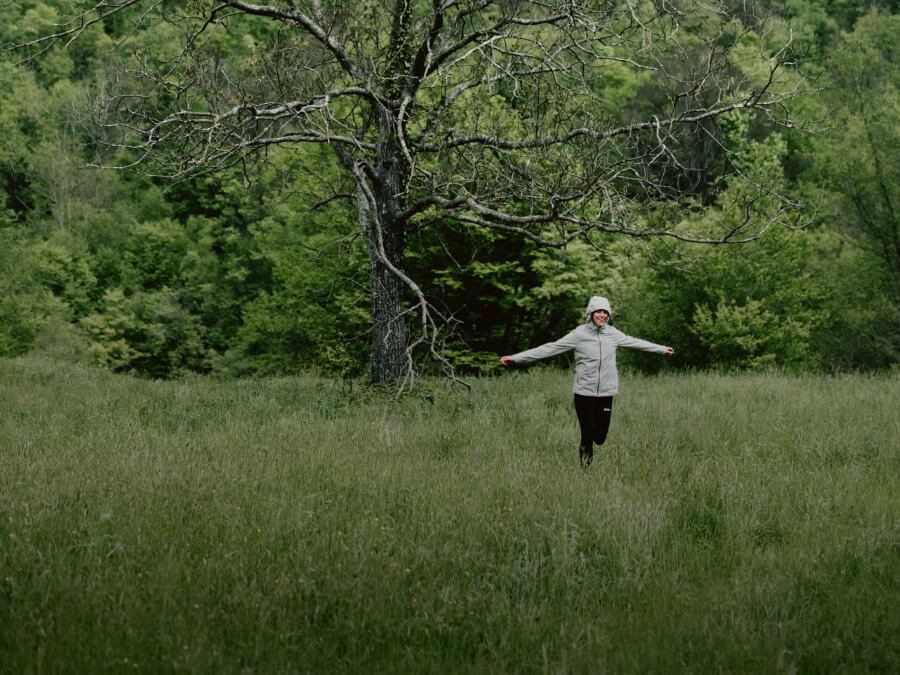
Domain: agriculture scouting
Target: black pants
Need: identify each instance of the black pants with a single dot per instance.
(594, 413)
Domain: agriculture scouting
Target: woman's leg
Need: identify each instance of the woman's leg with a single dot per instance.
(594, 414)
(584, 408)
(602, 414)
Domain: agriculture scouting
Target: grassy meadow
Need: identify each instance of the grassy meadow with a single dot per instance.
(732, 523)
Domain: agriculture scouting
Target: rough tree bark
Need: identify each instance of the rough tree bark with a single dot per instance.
(380, 210)
(487, 113)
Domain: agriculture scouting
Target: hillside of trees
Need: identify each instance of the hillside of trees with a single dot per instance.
(250, 270)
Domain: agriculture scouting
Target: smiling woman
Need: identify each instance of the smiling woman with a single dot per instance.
(596, 377)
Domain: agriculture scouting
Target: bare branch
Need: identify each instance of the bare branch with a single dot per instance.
(510, 144)
(308, 24)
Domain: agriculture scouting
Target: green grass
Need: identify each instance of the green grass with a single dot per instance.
(730, 524)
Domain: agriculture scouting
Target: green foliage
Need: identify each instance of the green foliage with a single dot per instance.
(314, 315)
(237, 273)
(149, 334)
(62, 266)
(750, 307)
(861, 327)
(746, 336)
(506, 293)
(824, 17)
(860, 158)
(153, 255)
(759, 305)
(25, 305)
(163, 302)
(853, 174)
(19, 119)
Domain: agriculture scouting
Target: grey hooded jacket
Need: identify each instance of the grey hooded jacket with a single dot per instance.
(595, 352)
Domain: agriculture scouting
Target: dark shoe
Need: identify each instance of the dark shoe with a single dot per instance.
(586, 455)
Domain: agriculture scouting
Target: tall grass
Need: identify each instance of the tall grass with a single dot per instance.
(730, 524)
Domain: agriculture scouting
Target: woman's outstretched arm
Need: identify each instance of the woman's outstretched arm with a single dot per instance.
(547, 350)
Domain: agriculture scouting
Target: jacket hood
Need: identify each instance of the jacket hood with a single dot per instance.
(597, 302)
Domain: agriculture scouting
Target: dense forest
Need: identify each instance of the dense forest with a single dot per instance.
(249, 270)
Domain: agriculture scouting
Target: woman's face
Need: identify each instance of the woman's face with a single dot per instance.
(600, 317)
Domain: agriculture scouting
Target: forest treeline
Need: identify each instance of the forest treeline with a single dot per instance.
(251, 271)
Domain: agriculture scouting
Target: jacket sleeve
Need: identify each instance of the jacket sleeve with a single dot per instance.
(629, 342)
(547, 350)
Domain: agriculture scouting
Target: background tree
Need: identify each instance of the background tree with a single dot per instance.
(860, 158)
(858, 163)
(747, 309)
(485, 114)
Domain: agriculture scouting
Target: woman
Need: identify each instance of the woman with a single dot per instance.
(596, 378)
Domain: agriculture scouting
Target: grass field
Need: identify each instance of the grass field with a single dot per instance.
(730, 524)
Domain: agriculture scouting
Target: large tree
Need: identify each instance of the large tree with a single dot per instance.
(860, 158)
(500, 115)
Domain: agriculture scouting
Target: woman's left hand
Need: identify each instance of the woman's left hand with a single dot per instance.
(669, 351)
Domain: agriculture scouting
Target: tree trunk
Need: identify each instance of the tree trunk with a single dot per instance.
(389, 360)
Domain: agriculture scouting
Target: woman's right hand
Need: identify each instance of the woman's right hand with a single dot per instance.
(506, 360)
